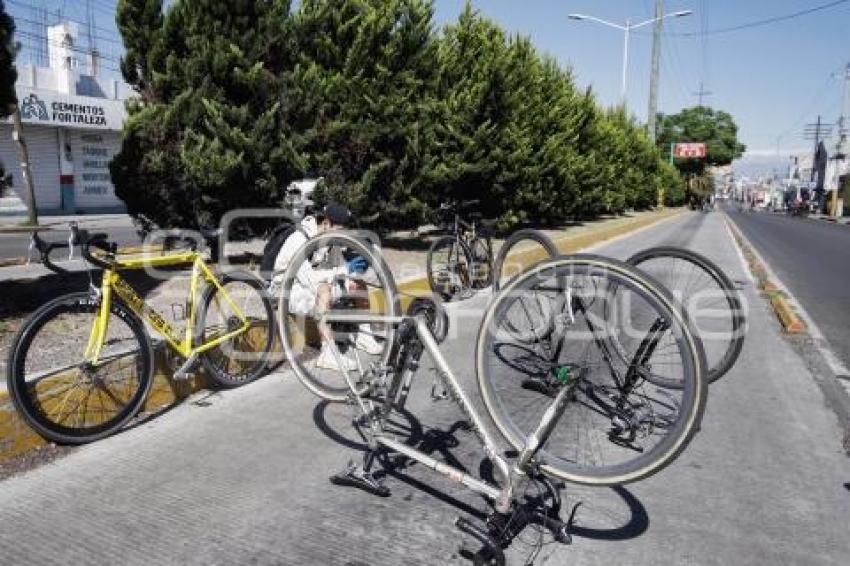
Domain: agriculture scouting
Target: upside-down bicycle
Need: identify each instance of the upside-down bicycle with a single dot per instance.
(612, 396)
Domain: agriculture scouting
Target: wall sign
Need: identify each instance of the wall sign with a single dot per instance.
(92, 165)
(49, 108)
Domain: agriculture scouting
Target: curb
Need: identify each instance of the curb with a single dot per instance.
(16, 438)
(788, 318)
(13, 261)
(23, 229)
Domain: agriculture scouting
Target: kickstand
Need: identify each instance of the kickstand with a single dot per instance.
(362, 476)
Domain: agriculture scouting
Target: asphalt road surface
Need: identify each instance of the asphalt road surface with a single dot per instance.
(812, 258)
(241, 476)
(15, 245)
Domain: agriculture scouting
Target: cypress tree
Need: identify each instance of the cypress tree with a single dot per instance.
(207, 134)
(362, 97)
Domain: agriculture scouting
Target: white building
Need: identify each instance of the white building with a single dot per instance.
(71, 124)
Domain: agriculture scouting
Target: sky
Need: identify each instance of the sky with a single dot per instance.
(773, 79)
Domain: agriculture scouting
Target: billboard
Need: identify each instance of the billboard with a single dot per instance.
(47, 108)
(690, 150)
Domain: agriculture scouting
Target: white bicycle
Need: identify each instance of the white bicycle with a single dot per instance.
(587, 405)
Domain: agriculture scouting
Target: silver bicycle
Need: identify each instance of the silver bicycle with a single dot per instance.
(570, 407)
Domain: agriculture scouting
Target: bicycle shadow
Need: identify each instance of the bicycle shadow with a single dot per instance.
(635, 526)
(441, 444)
(432, 441)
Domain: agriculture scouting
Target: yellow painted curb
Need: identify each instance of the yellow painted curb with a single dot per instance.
(17, 438)
(789, 319)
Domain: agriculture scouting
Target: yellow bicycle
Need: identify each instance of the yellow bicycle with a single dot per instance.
(82, 365)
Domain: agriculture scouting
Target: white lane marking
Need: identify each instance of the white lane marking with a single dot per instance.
(835, 365)
(740, 253)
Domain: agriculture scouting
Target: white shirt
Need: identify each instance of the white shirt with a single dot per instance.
(302, 298)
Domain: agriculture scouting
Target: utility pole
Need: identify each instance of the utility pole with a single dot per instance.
(23, 153)
(817, 132)
(841, 147)
(627, 29)
(702, 93)
(653, 77)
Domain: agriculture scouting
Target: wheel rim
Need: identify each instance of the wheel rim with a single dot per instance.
(244, 357)
(450, 269)
(63, 395)
(581, 448)
(300, 330)
(708, 299)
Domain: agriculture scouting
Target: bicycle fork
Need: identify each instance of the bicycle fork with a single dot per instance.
(97, 336)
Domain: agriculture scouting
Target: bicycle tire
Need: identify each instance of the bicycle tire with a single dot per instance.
(390, 306)
(738, 322)
(27, 396)
(525, 235)
(481, 251)
(450, 285)
(682, 417)
(258, 340)
(516, 239)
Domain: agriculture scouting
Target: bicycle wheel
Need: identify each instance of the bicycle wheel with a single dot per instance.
(613, 426)
(244, 357)
(523, 249)
(482, 262)
(359, 349)
(450, 266)
(709, 297)
(62, 396)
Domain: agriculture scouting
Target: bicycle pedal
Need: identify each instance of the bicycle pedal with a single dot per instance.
(354, 476)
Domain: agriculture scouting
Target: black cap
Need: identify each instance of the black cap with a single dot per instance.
(337, 213)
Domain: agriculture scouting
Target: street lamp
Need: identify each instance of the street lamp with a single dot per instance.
(627, 28)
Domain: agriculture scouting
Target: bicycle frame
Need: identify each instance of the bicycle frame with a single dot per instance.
(503, 498)
(113, 282)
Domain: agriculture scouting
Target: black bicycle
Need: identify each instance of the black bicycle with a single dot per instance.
(701, 288)
(461, 261)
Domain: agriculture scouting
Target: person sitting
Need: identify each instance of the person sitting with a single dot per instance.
(316, 284)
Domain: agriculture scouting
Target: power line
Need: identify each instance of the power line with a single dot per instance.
(810, 106)
(74, 49)
(764, 22)
(106, 39)
(34, 7)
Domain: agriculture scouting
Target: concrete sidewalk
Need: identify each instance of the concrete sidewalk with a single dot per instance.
(241, 476)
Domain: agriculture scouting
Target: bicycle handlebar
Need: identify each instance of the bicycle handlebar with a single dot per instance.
(459, 205)
(98, 240)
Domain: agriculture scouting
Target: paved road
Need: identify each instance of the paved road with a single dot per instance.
(14, 245)
(241, 476)
(812, 258)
